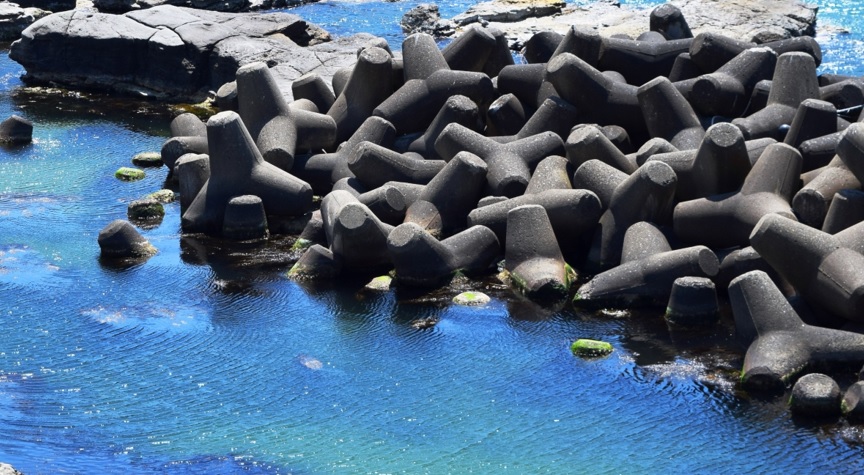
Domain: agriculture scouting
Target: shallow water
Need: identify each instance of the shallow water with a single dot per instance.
(207, 360)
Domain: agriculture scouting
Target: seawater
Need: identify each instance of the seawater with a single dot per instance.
(206, 359)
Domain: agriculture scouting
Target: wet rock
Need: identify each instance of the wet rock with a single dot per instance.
(16, 130)
(148, 159)
(815, 395)
(471, 299)
(145, 210)
(119, 239)
(172, 52)
(129, 174)
(379, 284)
(590, 348)
(424, 18)
(15, 18)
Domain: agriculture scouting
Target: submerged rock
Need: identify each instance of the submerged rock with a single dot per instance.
(16, 130)
(590, 348)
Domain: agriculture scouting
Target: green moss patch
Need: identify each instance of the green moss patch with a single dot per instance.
(129, 174)
(471, 299)
(590, 348)
(380, 284)
(162, 196)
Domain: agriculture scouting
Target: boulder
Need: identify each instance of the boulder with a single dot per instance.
(424, 18)
(173, 53)
(16, 130)
(15, 18)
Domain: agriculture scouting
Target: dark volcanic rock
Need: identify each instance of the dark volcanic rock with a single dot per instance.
(50, 5)
(424, 18)
(167, 52)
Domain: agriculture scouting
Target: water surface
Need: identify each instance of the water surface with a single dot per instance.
(208, 360)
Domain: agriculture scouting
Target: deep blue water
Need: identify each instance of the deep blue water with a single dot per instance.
(204, 360)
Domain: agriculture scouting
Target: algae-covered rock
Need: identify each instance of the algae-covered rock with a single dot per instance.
(590, 348)
(163, 196)
(148, 159)
(145, 209)
(129, 174)
(471, 299)
(379, 284)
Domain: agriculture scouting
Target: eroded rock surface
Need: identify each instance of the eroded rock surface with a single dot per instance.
(170, 52)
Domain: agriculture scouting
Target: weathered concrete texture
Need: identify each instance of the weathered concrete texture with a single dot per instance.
(763, 20)
(171, 52)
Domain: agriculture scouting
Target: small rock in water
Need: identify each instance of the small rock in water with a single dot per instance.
(16, 130)
(119, 239)
(590, 348)
(148, 159)
(815, 395)
(311, 363)
(379, 284)
(163, 196)
(145, 209)
(424, 323)
(471, 299)
(129, 174)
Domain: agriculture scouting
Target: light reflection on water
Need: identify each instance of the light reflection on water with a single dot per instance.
(205, 359)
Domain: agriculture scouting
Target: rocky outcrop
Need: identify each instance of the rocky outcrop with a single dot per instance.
(750, 20)
(49, 5)
(425, 18)
(169, 52)
(15, 18)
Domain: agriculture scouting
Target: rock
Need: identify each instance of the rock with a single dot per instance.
(471, 299)
(815, 395)
(145, 210)
(14, 19)
(148, 159)
(221, 5)
(129, 174)
(507, 11)
(16, 130)
(424, 18)
(590, 348)
(748, 20)
(162, 196)
(379, 284)
(50, 5)
(173, 53)
(115, 6)
(119, 239)
(6, 469)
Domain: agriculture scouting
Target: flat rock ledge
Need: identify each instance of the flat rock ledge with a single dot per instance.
(14, 19)
(760, 20)
(172, 53)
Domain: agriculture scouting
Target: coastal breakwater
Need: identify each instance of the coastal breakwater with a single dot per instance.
(642, 162)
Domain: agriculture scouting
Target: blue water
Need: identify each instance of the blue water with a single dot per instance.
(207, 360)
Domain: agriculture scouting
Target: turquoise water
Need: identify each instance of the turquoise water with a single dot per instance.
(207, 360)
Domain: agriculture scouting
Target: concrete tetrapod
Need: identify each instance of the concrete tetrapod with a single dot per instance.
(266, 115)
(725, 92)
(794, 81)
(413, 107)
(193, 171)
(552, 173)
(812, 201)
(646, 195)
(423, 261)
(370, 83)
(719, 165)
(727, 220)
(668, 20)
(509, 164)
(641, 61)
(554, 115)
(458, 109)
(325, 169)
(780, 345)
(358, 239)
(847, 209)
(571, 213)
(237, 168)
(588, 142)
(532, 256)
(820, 266)
(600, 98)
(447, 199)
(648, 274)
(505, 116)
(668, 115)
(119, 239)
(814, 118)
(374, 165)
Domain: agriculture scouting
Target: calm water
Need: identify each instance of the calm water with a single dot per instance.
(206, 360)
